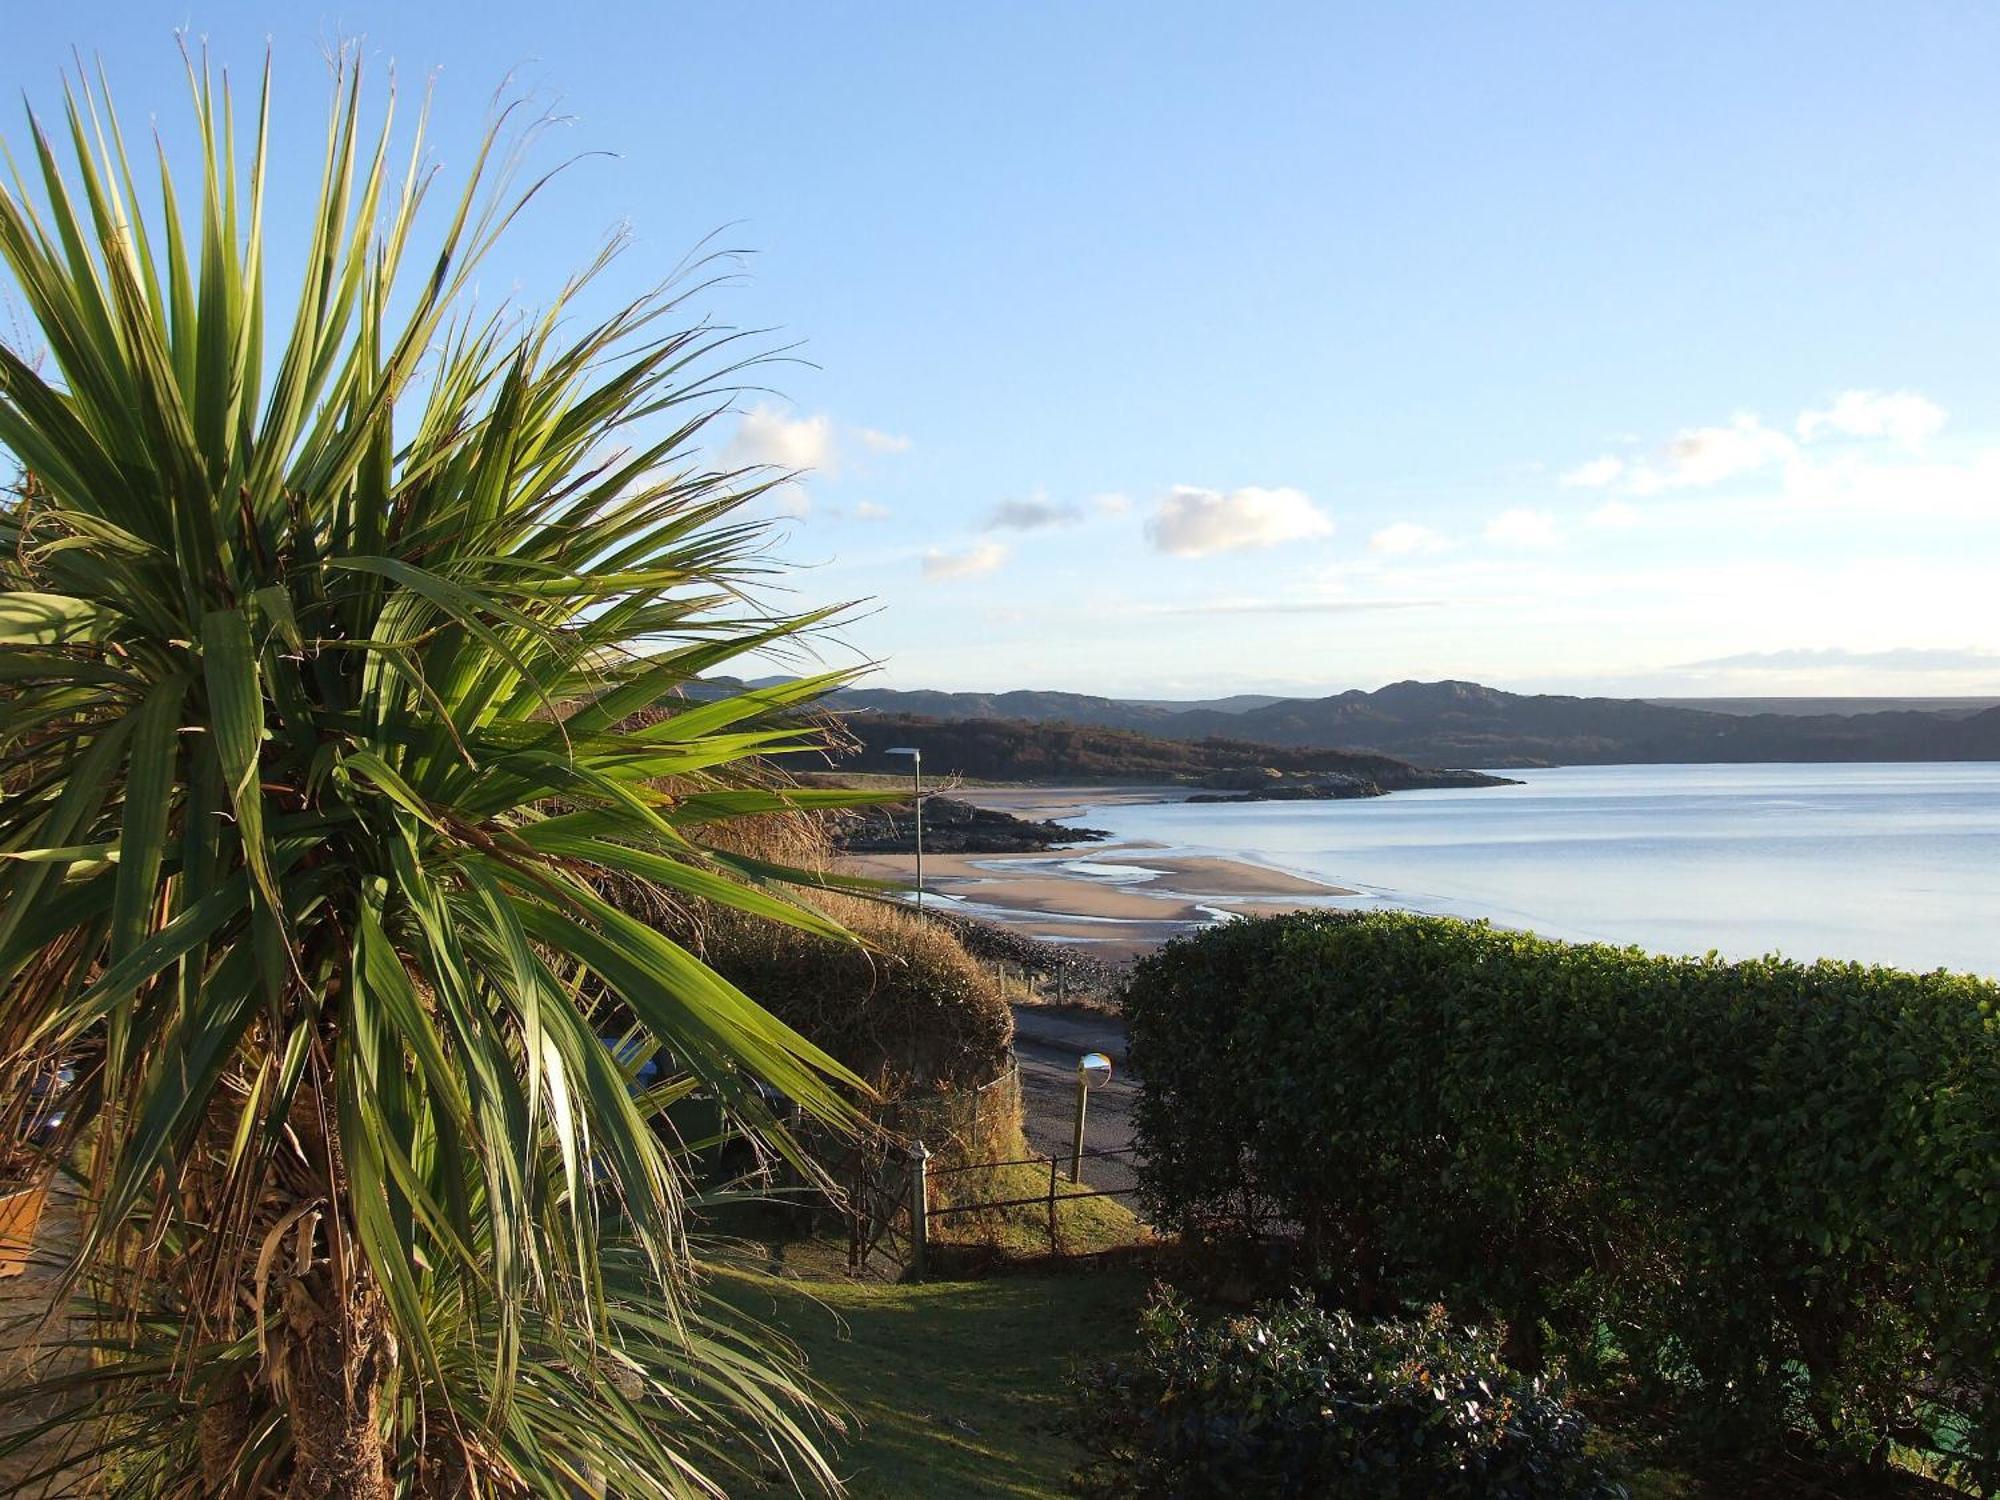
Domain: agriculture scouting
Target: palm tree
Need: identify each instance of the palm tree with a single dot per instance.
(316, 637)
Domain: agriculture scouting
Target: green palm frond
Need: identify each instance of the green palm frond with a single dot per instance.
(316, 638)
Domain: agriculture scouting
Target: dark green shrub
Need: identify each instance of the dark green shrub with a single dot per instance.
(1299, 1401)
(1772, 1191)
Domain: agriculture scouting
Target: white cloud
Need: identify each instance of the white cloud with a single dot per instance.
(1903, 416)
(1037, 514)
(1111, 505)
(766, 436)
(1405, 539)
(868, 510)
(940, 566)
(876, 441)
(1194, 522)
(1613, 515)
(1749, 462)
(1523, 528)
(1596, 474)
(1702, 456)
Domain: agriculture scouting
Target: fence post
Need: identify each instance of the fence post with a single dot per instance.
(920, 1207)
(1055, 1245)
(857, 1205)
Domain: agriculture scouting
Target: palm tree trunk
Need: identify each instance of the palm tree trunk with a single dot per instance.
(330, 1368)
(331, 1346)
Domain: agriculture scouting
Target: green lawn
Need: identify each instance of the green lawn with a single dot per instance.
(953, 1384)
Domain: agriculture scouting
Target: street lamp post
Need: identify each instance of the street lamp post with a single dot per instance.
(1092, 1070)
(917, 802)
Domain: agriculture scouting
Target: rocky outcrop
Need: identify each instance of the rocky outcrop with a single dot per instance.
(1316, 791)
(1266, 784)
(1241, 779)
(954, 827)
(1075, 974)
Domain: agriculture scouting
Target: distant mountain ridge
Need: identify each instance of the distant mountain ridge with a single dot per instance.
(1950, 708)
(1025, 750)
(1466, 724)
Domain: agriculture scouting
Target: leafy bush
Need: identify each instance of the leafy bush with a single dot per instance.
(1298, 1401)
(1767, 1190)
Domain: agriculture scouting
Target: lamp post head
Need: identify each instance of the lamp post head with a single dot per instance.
(914, 753)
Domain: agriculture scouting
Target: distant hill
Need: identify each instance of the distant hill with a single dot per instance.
(1950, 708)
(1015, 750)
(1466, 724)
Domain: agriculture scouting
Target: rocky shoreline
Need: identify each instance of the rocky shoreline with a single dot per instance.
(954, 827)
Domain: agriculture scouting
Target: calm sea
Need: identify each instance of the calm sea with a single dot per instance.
(1896, 864)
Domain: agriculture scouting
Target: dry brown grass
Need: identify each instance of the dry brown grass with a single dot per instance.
(906, 1007)
(909, 1009)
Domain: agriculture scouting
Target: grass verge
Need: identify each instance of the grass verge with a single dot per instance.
(1084, 1226)
(954, 1385)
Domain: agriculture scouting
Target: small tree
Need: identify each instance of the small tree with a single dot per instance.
(313, 637)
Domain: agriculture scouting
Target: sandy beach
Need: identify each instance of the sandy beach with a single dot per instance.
(1117, 899)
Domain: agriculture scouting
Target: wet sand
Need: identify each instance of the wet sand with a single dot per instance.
(1117, 899)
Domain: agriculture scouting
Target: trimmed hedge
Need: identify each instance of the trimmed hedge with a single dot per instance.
(1769, 1190)
(1299, 1401)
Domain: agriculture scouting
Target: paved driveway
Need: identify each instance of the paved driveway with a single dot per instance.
(25, 1302)
(1048, 1044)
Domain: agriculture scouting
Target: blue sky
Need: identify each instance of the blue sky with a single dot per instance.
(1177, 350)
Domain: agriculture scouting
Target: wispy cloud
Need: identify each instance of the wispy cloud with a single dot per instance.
(1407, 539)
(1613, 515)
(1029, 515)
(1194, 522)
(941, 566)
(1111, 505)
(1901, 416)
(877, 441)
(1292, 606)
(1524, 529)
(1596, 474)
(868, 510)
(1895, 659)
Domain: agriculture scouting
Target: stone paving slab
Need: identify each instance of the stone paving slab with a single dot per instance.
(25, 1328)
